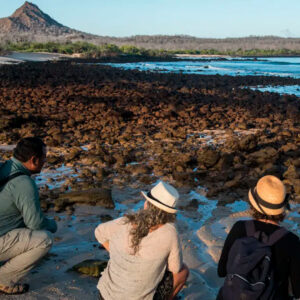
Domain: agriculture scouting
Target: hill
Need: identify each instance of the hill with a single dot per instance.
(29, 23)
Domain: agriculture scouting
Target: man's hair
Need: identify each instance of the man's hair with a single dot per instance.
(257, 215)
(28, 147)
(142, 222)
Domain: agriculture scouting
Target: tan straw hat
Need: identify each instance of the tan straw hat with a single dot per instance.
(164, 196)
(269, 196)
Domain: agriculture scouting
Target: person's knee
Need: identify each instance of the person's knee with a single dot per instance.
(43, 238)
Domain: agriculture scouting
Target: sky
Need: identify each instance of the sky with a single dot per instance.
(200, 18)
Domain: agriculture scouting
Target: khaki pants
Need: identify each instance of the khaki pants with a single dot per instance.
(21, 249)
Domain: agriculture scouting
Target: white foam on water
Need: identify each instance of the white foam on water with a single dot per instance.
(232, 66)
(218, 68)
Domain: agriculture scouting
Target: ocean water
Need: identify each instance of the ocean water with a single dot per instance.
(262, 66)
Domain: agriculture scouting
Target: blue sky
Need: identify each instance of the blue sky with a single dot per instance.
(201, 18)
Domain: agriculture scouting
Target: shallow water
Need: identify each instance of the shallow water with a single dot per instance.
(54, 178)
(263, 66)
(289, 89)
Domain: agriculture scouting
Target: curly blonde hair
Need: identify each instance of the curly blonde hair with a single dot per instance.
(144, 220)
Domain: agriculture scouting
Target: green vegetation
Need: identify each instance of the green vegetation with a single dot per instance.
(89, 50)
(86, 49)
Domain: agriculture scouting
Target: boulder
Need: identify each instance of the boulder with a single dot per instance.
(234, 182)
(268, 154)
(291, 173)
(232, 143)
(225, 162)
(73, 153)
(247, 143)
(289, 147)
(208, 157)
(97, 197)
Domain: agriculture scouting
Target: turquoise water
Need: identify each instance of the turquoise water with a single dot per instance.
(279, 66)
(287, 89)
(263, 66)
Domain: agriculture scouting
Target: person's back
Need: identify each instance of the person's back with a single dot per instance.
(12, 193)
(145, 253)
(268, 205)
(285, 256)
(137, 276)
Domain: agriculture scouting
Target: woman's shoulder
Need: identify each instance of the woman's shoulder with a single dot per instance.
(169, 229)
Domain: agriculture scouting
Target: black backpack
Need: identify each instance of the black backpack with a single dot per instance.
(6, 180)
(250, 273)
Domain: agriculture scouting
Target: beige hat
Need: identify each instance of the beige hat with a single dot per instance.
(269, 196)
(164, 196)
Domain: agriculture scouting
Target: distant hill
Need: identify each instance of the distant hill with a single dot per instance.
(29, 18)
(29, 23)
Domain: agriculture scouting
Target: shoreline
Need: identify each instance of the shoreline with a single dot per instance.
(20, 56)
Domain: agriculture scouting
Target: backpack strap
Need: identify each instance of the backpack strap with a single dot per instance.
(277, 235)
(250, 228)
(7, 179)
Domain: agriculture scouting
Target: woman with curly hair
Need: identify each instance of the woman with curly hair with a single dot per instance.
(145, 253)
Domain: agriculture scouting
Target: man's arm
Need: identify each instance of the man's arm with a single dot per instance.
(26, 198)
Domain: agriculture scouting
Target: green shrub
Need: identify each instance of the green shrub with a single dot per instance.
(95, 51)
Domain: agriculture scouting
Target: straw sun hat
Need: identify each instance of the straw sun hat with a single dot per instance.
(269, 196)
(164, 196)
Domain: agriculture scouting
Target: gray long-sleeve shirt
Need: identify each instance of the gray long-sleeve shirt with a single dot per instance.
(136, 277)
(19, 201)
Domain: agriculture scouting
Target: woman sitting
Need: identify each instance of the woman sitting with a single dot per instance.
(145, 252)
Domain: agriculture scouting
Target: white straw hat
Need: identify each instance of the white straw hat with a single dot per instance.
(164, 196)
(269, 196)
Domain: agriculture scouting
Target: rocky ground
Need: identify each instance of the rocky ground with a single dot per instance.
(114, 127)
